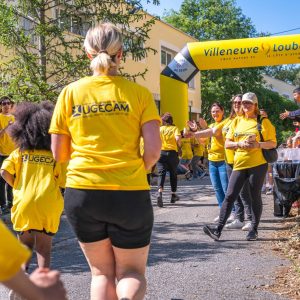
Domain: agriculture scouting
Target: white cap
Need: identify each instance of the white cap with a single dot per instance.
(251, 97)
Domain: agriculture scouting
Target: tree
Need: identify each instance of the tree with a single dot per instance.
(43, 41)
(287, 73)
(218, 20)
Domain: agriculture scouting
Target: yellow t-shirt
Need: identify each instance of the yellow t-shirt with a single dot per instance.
(186, 148)
(103, 115)
(167, 135)
(239, 131)
(215, 148)
(229, 153)
(142, 149)
(37, 202)
(13, 254)
(6, 143)
(198, 148)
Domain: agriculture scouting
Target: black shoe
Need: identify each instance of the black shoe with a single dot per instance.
(5, 210)
(160, 200)
(213, 233)
(174, 198)
(252, 235)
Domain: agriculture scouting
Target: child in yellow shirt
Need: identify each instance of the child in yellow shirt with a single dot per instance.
(36, 179)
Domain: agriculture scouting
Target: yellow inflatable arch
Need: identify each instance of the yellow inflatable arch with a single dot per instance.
(226, 54)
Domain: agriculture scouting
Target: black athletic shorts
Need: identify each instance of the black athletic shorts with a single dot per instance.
(125, 217)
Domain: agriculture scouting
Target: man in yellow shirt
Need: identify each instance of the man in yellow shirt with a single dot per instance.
(6, 147)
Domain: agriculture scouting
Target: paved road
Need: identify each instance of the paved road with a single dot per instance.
(184, 264)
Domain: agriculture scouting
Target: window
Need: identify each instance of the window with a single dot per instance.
(69, 23)
(166, 56)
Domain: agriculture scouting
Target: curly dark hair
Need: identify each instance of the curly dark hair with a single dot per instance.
(30, 130)
(167, 119)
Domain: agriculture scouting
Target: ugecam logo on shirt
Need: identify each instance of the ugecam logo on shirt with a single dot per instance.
(108, 108)
(38, 159)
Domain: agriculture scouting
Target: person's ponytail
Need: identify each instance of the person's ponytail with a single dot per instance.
(102, 43)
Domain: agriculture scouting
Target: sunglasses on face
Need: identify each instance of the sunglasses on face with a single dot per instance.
(237, 102)
(5, 103)
(247, 103)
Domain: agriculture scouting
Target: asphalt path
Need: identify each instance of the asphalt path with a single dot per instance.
(185, 264)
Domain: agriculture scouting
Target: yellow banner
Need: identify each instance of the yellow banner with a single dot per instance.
(174, 99)
(243, 53)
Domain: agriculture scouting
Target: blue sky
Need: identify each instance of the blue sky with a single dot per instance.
(270, 16)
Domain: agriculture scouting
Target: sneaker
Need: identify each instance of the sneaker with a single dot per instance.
(160, 200)
(269, 191)
(12, 295)
(203, 174)
(236, 224)
(252, 235)
(5, 210)
(247, 226)
(213, 233)
(231, 218)
(174, 198)
(216, 220)
(188, 175)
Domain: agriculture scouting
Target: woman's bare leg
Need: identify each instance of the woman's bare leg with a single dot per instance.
(100, 258)
(130, 270)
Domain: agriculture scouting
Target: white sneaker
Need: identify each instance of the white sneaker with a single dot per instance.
(231, 218)
(216, 220)
(269, 191)
(236, 224)
(14, 296)
(247, 226)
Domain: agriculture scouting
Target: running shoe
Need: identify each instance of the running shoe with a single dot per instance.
(12, 295)
(231, 218)
(160, 200)
(269, 191)
(236, 224)
(174, 198)
(203, 174)
(252, 235)
(213, 233)
(247, 226)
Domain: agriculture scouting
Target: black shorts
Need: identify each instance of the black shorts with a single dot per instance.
(36, 230)
(125, 217)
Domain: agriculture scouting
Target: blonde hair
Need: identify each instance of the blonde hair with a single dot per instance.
(103, 42)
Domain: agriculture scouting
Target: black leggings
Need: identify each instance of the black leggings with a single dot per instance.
(168, 161)
(6, 195)
(256, 176)
(243, 202)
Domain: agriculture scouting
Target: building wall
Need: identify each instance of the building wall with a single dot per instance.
(167, 38)
(282, 88)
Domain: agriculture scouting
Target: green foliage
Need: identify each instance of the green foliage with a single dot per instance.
(274, 104)
(43, 42)
(287, 73)
(219, 20)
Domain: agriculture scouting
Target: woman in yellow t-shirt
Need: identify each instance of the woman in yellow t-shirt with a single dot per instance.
(249, 163)
(41, 284)
(36, 179)
(168, 161)
(97, 126)
(6, 147)
(216, 153)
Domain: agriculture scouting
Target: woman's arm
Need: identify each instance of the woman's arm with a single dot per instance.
(9, 178)
(152, 143)
(61, 147)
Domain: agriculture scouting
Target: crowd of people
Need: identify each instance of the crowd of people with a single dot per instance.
(76, 157)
